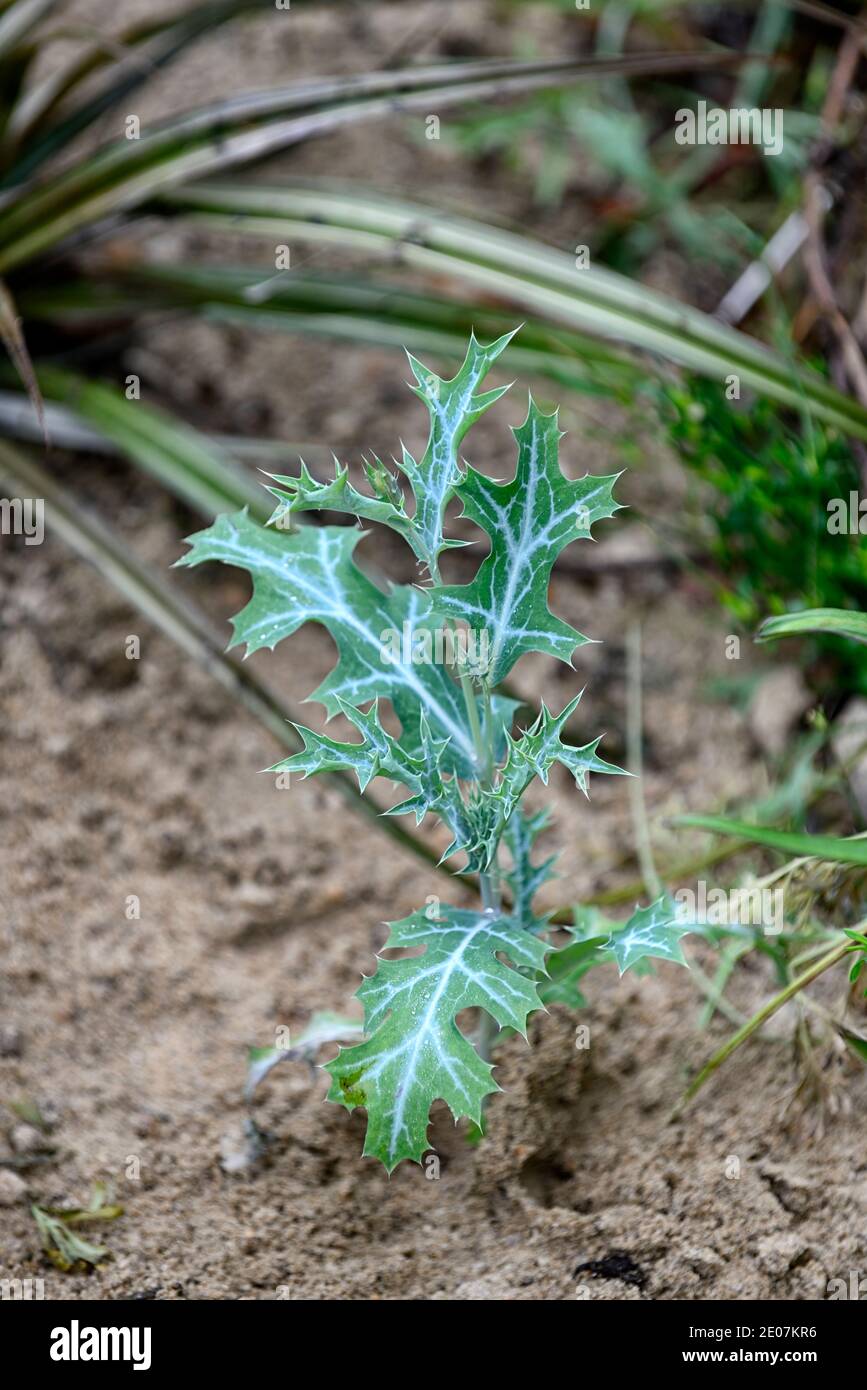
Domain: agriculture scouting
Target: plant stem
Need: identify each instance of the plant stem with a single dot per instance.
(766, 1012)
(713, 989)
(473, 717)
(644, 850)
(489, 881)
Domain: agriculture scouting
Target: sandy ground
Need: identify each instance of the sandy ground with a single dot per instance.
(122, 778)
(257, 906)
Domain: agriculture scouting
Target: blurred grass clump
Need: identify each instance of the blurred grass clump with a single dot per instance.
(773, 480)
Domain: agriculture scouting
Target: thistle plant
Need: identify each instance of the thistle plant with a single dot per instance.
(438, 653)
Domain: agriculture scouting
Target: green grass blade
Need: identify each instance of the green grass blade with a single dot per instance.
(184, 461)
(17, 21)
(19, 420)
(838, 851)
(526, 273)
(753, 1024)
(832, 622)
(12, 338)
(69, 431)
(240, 130)
(348, 308)
(147, 48)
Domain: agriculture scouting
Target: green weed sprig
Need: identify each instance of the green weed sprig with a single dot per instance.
(437, 653)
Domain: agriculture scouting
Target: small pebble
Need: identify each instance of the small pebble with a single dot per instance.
(12, 1188)
(25, 1139)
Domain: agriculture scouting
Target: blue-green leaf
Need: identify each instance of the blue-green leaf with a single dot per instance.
(655, 931)
(303, 493)
(310, 576)
(529, 521)
(535, 751)
(454, 407)
(415, 1053)
(378, 754)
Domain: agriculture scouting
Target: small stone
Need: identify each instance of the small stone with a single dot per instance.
(26, 1139)
(12, 1188)
(778, 1253)
(10, 1041)
(255, 895)
(779, 702)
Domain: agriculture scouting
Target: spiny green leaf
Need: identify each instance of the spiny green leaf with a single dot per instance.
(310, 576)
(529, 521)
(653, 931)
(480, 820)
(534, 753)
(453, 407)
(564, 985)
(378, 754)
(589, 930)
(471, 813)
(427, 777)
(480, 817)
(472, 816)
(567, 969)
(304, 494)
(475, 822)
(415, 1053)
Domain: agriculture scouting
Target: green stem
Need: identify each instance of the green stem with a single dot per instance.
(489, 881)
(758, 1019)
(483, 743)
(644, 850)
(483, 740)
(713, 990)
(473, 717)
